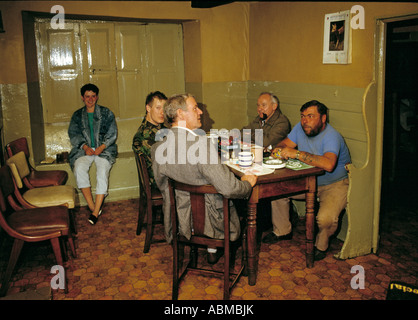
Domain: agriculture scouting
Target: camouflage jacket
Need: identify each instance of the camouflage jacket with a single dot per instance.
(142, 142)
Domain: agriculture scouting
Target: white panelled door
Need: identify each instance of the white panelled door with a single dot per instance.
(125, 60)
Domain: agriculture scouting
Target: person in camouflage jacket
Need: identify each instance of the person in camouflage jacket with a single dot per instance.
(147, 131)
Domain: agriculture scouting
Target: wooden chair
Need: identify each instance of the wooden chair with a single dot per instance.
(197, 201)
(36, 178)
(31, 225)
(41, 196)
(149, 199)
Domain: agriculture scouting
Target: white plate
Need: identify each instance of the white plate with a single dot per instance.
(274, 163)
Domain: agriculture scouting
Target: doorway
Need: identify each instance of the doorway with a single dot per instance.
(400, 136)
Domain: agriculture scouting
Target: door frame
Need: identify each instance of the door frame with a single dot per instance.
(380, 79)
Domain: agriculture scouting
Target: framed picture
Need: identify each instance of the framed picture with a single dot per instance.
(337, 38)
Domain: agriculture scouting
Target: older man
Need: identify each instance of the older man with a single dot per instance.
(188, 157)
(270, 119)
(317, 143)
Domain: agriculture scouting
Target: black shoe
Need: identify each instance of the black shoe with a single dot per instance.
(213, 257)
(319, 254)
(272, 238)
(93, 219)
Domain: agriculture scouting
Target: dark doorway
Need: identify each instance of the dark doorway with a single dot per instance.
(400, 144)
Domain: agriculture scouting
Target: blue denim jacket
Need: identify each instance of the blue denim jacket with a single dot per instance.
(105, 132)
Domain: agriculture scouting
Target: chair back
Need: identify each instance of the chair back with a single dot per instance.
(143, 177)
(198, 208)
(16, 146)
(19, 167)
(149, 199)
(3, 222)
(6, 191)
(198, 238)
(6, 187)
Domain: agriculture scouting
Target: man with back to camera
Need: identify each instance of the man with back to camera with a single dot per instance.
(93, 134)
(315, 142)
(147, 131)
(182, 112)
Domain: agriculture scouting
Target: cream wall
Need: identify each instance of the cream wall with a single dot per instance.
(283, 40)
(231, 45)
(224, 44)
(286, 42)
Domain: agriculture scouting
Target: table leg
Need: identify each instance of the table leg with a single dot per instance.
(310, 224)
(252, 243)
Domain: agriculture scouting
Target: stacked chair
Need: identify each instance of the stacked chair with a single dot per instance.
(29, 198)
(33, 224)
(35, 178)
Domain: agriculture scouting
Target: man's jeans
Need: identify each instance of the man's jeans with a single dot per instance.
(332, 200)
(81, 172)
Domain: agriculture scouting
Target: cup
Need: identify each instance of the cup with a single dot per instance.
(245, 159)
(257, 151)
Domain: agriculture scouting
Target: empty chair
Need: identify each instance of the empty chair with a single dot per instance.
(31, 225)
(36, 178)
(197, 202)
(42, 196)
(149, 199)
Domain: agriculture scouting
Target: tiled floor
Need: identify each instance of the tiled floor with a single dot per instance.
(111, 265)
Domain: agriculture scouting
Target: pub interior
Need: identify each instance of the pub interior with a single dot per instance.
(225, 53)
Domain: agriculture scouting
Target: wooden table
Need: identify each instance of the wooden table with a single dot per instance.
(283, 182)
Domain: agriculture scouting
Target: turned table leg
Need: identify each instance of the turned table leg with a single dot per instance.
(252, 243)
(310, 221)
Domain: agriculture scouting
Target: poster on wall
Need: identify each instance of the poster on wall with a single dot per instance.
(337, 38)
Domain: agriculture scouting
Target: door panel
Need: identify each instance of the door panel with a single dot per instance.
(99, 53)
(60, 70)
(165, 50)
(132, 69)
(125, 60)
